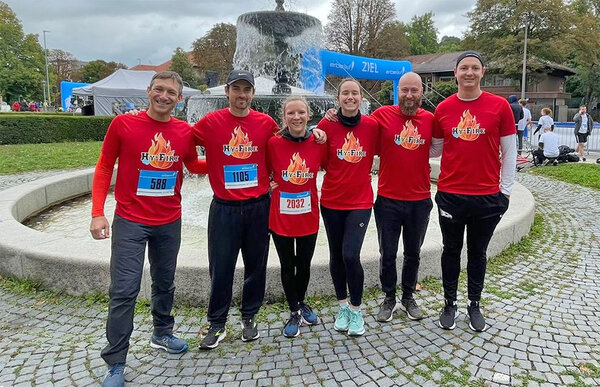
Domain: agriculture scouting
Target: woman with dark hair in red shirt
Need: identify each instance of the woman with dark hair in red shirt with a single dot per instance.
(347, 199)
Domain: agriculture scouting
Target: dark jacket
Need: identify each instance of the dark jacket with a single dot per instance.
(577, 120)
(516, 107)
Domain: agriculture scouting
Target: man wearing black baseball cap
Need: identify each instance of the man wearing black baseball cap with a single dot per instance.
(240, 75)
(235, 139)
(474, 185)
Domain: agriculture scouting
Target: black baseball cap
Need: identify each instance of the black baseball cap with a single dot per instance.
(470, 54)
(240, 75)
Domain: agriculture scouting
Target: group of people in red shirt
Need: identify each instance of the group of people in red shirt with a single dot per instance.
(248, 155)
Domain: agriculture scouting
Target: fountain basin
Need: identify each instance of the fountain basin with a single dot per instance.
(81, 265)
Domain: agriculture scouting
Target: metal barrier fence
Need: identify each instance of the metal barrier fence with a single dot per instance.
(565, 131)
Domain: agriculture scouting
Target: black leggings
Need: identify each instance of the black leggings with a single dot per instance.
(346, 232)
(295, 266)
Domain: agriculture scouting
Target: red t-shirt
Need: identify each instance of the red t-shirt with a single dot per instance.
(295, 203)
(471, 131)
(151, 156)
(236, 152)
(404, 141)
(350, 151)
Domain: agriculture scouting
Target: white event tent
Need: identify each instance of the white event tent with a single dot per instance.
(123, 88)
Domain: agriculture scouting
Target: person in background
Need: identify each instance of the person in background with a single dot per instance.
(583, 128)
(293, 159)
(523, 125)
(544, 122)
(347, 199)
(475, 184)
(547, 148)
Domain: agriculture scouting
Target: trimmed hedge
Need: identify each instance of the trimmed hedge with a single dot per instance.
(39, 128)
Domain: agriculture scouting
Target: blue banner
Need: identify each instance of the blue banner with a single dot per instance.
(344, 65)
(66, 92)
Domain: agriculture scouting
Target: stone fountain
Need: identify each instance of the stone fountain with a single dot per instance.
(271, 45)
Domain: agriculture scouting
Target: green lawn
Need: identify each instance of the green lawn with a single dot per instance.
(584, 174)
(43, 157)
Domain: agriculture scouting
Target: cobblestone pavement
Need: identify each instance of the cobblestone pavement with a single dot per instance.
(543, 308)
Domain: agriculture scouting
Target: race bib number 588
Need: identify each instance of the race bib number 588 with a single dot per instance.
(156, 183)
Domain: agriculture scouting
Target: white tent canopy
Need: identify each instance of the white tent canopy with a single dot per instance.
(122, 89)
(263, 86)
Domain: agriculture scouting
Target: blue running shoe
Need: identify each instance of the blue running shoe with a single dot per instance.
(343, 319)
(169, 343)
(309, 317)
(292, 326)
(115, 377)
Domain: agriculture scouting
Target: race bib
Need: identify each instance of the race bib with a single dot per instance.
(294, 203)
(240, 176)
(156, 183)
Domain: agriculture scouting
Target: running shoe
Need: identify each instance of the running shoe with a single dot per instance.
(249, 330)
(387, 309)
(343, 319)
(292, 326)
(357, 324)
(476, 320)
(169, 343)
(213, 337)
(309, 317)
(449, 314)
(411, 308)
(115, 377)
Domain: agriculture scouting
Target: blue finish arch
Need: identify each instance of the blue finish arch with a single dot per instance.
(318, 63)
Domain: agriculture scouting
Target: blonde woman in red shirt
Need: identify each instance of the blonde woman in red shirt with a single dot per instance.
(293, 159)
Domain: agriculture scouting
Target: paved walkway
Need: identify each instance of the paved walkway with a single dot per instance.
(544, 311)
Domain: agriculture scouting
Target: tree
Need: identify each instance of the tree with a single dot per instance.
(391, 43)
(385, 94)
(181, 65)
(99, 69)
(353, 25)
(449, 44)
(22, 72)
(585, 49)
(214, 51)
(441, 91)
(498, 27)
(63, 64)
(422, 34)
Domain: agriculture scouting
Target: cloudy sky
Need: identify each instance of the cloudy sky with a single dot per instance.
(148, 31)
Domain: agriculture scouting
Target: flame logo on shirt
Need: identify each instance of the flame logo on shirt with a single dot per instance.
(351, 150)
(297, 172)
(160, 155)
(468, 127)
(240, 145)
(409, 138)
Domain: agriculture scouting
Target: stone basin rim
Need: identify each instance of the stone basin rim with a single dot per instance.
(78, 266)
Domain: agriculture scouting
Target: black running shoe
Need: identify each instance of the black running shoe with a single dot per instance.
(249, 330)
(477, 322)
(411, 308)
(387, 309)
(448, 315)
(213, 337)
